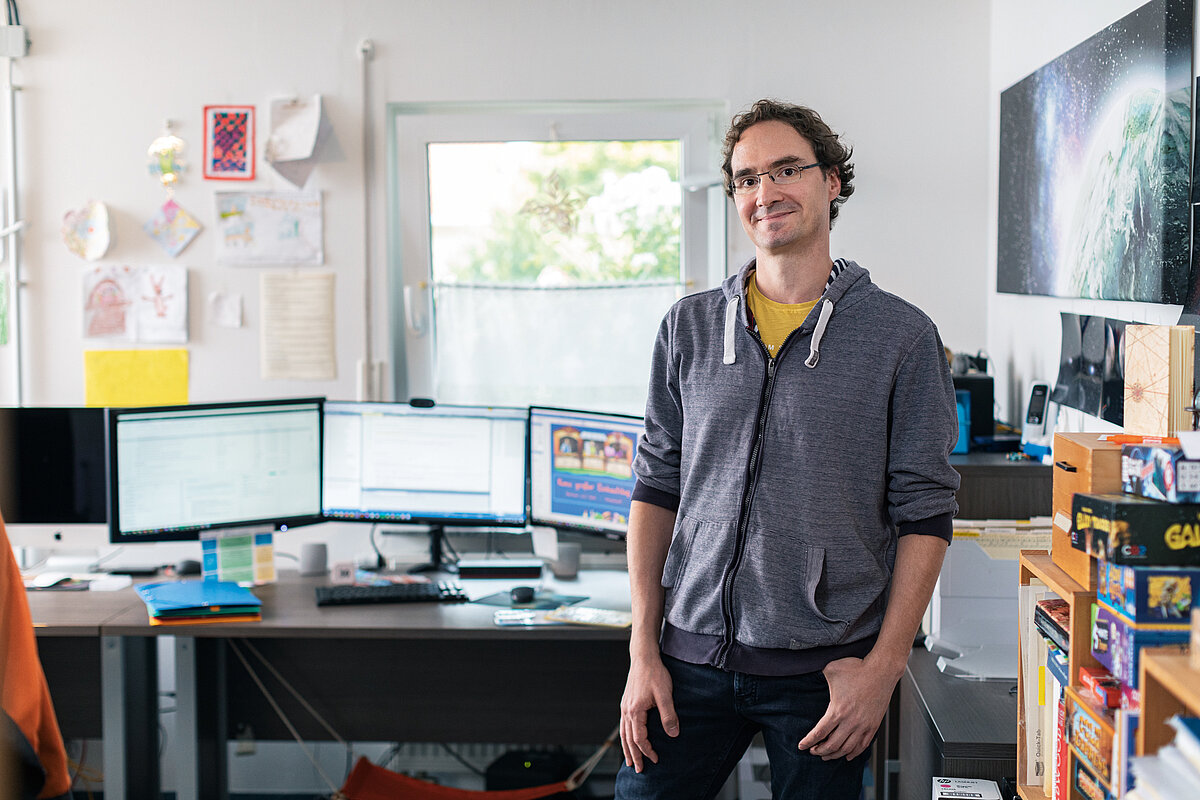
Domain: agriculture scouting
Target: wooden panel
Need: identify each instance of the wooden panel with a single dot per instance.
(437, 690)
(995, 488)
(1169, 686)
(72, 667)
(1082, 463)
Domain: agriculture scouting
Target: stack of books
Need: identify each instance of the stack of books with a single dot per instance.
(1174, 772)
(199, 602)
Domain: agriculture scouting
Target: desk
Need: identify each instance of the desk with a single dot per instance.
(995, 488)
(103, 686)
(952, 727)
(401, 672)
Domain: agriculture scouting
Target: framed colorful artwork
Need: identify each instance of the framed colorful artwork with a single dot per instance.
(229, 143)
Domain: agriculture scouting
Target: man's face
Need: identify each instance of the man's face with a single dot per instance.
(778, 218)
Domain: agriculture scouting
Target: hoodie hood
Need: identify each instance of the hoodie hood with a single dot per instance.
(845, 276)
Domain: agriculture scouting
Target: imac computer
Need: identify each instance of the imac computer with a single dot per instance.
(581, 469)
(437, 466)
(178, 470)
(52, 465)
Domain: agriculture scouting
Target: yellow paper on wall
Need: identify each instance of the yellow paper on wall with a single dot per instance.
(122, 378)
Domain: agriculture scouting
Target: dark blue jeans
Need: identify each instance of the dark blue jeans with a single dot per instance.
(719, 713)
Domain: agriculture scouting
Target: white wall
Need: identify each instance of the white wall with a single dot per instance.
(1024, 333)
(906, 83)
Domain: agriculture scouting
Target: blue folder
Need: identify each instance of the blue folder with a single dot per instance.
(171, 596)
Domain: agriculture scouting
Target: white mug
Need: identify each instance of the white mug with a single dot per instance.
(567, 563)
(313, 556)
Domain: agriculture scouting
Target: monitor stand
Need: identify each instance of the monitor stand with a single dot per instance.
(438, 562)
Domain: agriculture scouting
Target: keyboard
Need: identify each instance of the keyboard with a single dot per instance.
(354, 595)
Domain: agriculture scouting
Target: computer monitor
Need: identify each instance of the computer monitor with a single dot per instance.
(52, 466)
(581, 469)
(178, 470)
(436, 465)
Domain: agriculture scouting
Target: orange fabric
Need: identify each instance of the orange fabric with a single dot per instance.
(368, 781)
(23, 690)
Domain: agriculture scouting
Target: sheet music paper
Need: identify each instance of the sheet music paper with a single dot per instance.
(297, 340)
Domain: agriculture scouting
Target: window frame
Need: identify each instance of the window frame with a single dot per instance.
(412, 126)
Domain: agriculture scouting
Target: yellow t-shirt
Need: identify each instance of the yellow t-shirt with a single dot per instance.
(775, 320)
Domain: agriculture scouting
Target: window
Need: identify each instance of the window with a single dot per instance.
(536, 249)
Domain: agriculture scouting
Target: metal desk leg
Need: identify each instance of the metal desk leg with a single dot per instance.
(129, 708)
(202, 771)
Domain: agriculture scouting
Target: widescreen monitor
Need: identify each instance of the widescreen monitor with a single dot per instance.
(581, 469)
(52, 466)
(176, 471)
(438, 465)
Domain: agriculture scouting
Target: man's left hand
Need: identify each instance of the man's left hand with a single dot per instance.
(858, 699)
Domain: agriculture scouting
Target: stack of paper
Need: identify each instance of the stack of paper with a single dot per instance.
(1159, 377)
(199, 602)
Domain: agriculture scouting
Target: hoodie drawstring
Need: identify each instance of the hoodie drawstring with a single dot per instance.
(731, 313)
(814, 349)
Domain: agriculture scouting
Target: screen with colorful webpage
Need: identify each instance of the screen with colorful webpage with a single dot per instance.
(581, 469)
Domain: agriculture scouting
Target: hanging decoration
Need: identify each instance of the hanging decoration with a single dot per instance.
(86, 231)
(166, 161)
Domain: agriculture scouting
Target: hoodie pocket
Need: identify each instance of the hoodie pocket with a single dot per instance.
(699, 555)
(782, 598)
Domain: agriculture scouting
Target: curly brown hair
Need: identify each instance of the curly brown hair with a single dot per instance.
(831, 153)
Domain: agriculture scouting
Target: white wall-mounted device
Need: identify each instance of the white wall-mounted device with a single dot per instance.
(1037, 430)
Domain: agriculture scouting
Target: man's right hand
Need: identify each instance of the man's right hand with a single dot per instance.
(648, 686)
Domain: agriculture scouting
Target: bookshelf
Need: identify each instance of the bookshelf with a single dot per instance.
(1169, 686)
(1037, 564)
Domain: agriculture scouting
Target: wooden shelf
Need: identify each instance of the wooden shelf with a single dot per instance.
(1031, 792)
(1169, 686)
(1038, 564)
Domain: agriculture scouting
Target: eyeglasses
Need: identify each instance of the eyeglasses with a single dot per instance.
(782, 176)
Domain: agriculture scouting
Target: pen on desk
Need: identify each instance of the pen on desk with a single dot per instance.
(1127, 438)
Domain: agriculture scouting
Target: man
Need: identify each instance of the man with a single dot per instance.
(794, 496)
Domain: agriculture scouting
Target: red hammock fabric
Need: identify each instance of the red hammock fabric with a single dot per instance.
(368, 781)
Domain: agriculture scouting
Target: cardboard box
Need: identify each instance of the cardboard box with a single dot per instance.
(1117, 641)
(1090, 732)
(1160, 472)
(1149, 594)
(1136, 531)
(1083, 462)
(973, 788)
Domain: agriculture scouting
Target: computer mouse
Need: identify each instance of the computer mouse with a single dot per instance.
(187, 566)
(523, 595)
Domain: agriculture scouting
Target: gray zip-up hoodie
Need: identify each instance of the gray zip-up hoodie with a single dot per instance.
(793, 477)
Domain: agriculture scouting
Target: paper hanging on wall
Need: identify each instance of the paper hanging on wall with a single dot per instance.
(172, 227)
(301, 137)
(225, 310)
(297, 335)
(136, 304)
(161, 304)
(86, 231)
(229, 143)
(107, 296)
(255, 228)
(124, 378)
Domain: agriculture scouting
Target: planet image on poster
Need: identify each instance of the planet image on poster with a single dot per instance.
(1115, 241)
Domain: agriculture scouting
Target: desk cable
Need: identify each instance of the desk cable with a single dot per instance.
(236, 647)
(574, 781)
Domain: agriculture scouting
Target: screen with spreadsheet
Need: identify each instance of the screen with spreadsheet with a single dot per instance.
(581, 469)
(442, 465)
(175, 471)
